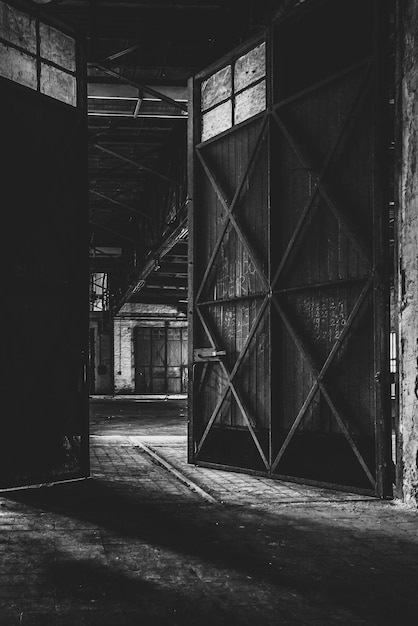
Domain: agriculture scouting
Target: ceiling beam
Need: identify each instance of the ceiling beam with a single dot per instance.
(120, 54)
(143, 88)
(137, 165)
(121, 204)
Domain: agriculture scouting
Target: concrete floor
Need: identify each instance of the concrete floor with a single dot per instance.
(150, 540)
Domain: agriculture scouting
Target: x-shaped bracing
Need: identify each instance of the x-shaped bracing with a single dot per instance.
(320, 188)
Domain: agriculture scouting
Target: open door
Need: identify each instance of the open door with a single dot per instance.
(44, 423)
(288, 221)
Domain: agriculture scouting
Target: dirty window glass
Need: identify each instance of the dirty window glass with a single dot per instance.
(17, 66)
(234, 94)
(250, 102)
(57, 84)
(57, 47)
(216, 88)
(250, 67)
(27, 60)
(217, 120)
(17, 27)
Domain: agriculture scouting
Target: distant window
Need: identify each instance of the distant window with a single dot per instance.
(37, 55)
(234, 93)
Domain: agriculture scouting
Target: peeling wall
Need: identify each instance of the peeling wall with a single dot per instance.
(408, 254)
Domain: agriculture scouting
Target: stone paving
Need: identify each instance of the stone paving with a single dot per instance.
(136, 545)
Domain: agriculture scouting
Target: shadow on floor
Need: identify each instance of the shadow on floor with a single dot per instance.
(198, 564)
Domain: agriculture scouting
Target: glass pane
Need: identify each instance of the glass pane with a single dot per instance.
(17, 27)
(216, 88)
(217, 120)
(18, 67)
(250, 67)
(58, 84)
(57, 47)
(250, 102)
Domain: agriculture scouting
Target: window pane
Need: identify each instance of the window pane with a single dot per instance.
(250, 102)
(58, 84)
(17, 27)
(250, 67)
(18, 67)
(216, 88)
(217, 120)
(57, 47)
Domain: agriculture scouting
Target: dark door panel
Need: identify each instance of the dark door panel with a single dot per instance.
(288, 250)
(45, 301)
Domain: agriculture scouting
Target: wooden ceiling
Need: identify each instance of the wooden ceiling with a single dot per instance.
(139, 58)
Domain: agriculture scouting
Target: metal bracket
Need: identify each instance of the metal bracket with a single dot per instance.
(207, 354)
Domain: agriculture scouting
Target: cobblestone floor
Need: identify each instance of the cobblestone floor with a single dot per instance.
(145, 543)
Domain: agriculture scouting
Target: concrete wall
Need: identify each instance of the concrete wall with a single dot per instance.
(129, 317)
(408, 250)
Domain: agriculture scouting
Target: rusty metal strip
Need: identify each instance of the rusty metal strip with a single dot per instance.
(169, 467)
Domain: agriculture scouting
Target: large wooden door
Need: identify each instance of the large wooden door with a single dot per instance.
(44, 424)
(288, 230)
